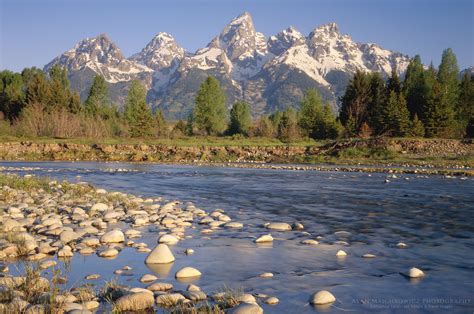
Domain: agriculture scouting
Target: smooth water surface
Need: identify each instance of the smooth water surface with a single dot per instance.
(433, 215)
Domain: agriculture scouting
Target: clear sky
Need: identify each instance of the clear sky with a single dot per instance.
(33, 32)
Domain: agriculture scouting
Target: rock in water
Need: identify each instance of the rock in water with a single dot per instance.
(114, 236)
(187, 272)
(135, 302)
(322, 297)
(279, 226)
(415, 273)
(264, 238)
(341, 253)
(247, 308)
(161, 254)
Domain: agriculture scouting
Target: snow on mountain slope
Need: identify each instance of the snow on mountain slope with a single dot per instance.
(103, 57)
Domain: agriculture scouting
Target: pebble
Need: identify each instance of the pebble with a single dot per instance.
(271, 300)
(415, 273)
(368, 255)
(187, 272)
(264, 238)
(322, 297)
(148, 278)
(265, 275)
(309, 242)
(341, 253)
(278, 226)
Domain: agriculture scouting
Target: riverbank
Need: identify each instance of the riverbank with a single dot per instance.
(427, 153)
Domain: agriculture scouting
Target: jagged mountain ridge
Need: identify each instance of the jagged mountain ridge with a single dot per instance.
(269, 74)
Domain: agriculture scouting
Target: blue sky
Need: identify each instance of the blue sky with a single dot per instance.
(35, 31)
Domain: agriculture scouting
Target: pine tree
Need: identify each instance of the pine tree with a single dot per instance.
(414, 87)
(75, 105)
(210, 112)
(190, 125)
(38, 90)
(137, 112)
(161, 125)
(376, 105)
(442, 97)
(393, 83)
(288, 127)
(98, 98)
(179, 129)
(396, 116)
(354, 103)
(465, 108)
(310, 112)
(60, 92)
(240, 119)
(12, 96)
(417, 128)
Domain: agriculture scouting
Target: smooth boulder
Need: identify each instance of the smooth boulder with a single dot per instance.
(322, 297)
(188, 272)
(161, 254)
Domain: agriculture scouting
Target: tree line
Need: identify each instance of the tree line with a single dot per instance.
(426, 103)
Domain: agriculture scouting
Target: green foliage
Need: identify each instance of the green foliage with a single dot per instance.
(317, 121)
(137, 112)
(240, 119)
(179, 129)
(97, 101)
(210, 112)
(417, 129)
(378, 99)
(263, 127)
(38, 90)
(60, 92)
(288, 129)
(12, 96)
(396, 118)
(393, 83)
(161, 125)
(465, 108)
(414, 87)
(355, 101)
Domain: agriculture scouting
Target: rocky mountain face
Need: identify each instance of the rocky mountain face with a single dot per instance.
(270, 74)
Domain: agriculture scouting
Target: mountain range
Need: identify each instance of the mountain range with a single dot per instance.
(268, 73)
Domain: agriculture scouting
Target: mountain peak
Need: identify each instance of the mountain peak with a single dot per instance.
(161, 52)
(329, 28)
(285, 39)
(245, 17)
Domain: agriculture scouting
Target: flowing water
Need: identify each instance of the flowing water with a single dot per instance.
(433, 215)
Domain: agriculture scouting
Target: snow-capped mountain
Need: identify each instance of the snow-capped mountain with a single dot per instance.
(269, 74)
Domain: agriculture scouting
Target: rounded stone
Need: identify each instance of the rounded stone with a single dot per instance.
(279, 226)
(161, 254)
(272, 300)
(247, 308)
(148, 278)
(187, 272)
(168, 238)
(135, 302)
(113, 236)
(322, 297)
(415, 273)
(264, 238)
(341, 253)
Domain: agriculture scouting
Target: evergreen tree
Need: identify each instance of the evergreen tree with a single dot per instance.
(417, 128)
(311, 112)
(12, 96)
(470, 128)
(240, 119)
(376, 103)
(75, 105)
(210, 112)
(447, 77)
(414, 87)
(137, 112)
(275, 119)
(60, 92)
(179, 129)
(189, 125)
(161, 125)
(38, 90)
(393, 83)
(98, 100)
(354, 103)
(465, 108)
(396, 116)
(316, 120)
(288, 127)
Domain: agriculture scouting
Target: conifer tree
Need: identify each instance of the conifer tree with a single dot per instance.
(417, 128)
(189, 125)
(161, 125)
(393, 83)
(376, 103)
(137, 112)
(98, 98)
(288, 127)
(465, 108)
(264, 127)
(396, 116)
(414, 88)
(354, 103)
(240, 119)
(315, 120)
(60, 92)
(12, 96)
(38, 90)
(210, 112)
